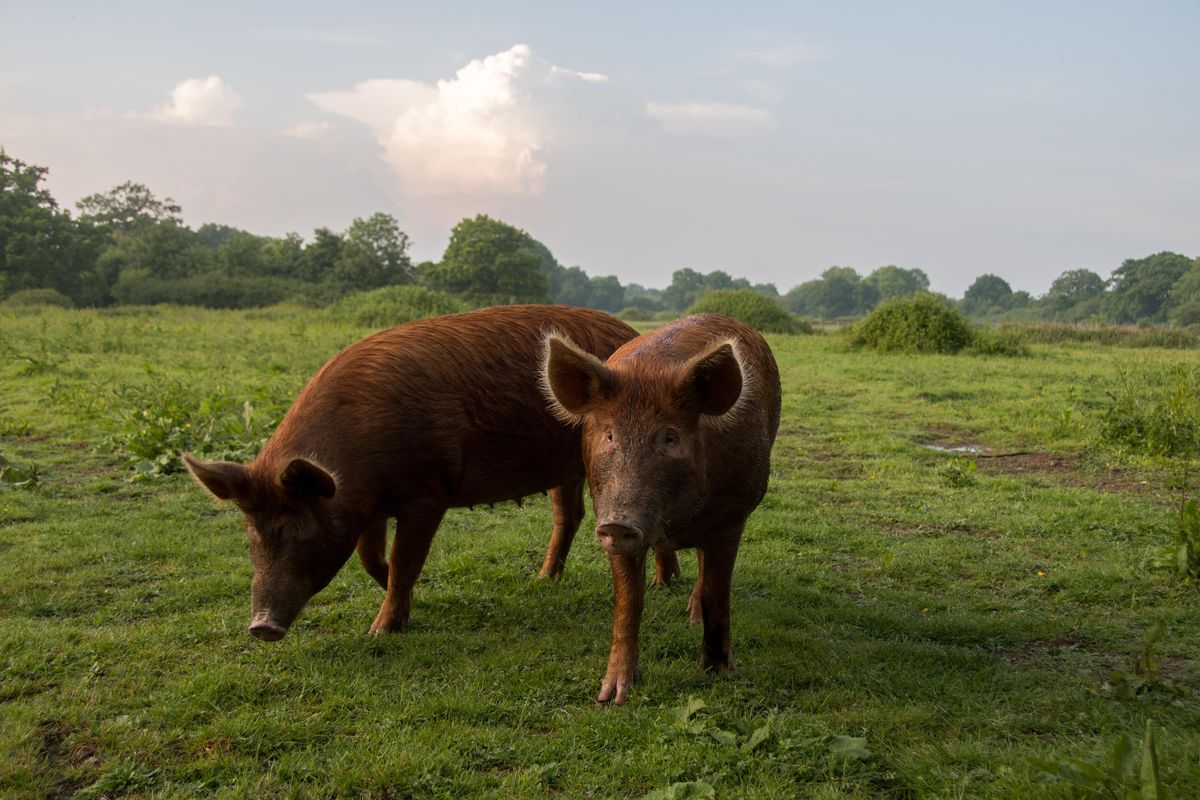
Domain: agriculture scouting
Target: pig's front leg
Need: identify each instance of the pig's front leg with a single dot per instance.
(415, 528)
(567, 502)
(629, 589)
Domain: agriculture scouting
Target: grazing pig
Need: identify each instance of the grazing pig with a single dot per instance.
(407, 423)
(677, 434)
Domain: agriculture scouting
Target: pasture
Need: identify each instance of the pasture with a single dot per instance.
(907, 622)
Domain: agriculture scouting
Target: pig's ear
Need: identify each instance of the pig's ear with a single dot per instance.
(303, 480)
(225, 479)
(713, 381)
(572, 380)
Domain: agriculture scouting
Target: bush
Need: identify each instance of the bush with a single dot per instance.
(209, 290)
(756, 310)
(395, 305)
(39, 297)
(922, 323)
(635, 314)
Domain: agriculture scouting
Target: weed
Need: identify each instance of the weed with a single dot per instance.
(1120, 777)
(36, 362)
(14, 477)
(958, 473)
(394, 305)
(15, 427)
(1146, 675)
(158, 423)
(1182, 556)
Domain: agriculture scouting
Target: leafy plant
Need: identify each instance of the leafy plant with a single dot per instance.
(923, 323)
(959, 473)
(1000, 342)
(1183, 554)
(158, 423)
(1120, 777)
(1146, 675)
(14, 477)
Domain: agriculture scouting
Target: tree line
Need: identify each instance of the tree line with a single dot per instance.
(128, 246)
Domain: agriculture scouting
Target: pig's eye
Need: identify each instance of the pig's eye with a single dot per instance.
(608, 434)
(670, 437)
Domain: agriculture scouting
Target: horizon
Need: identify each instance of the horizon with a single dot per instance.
(771, 143)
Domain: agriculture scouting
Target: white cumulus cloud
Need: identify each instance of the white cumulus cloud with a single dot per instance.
(717, 120)
(489, 129)
(200, 101)
(310, 131)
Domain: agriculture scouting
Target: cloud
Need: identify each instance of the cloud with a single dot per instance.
(200, 101)
(310, 131)
(492, 128)
(714, 120)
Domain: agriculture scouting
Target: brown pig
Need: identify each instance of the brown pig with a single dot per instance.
(407, 423)
(677, 432)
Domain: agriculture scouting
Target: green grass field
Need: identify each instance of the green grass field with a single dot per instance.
(906, 622)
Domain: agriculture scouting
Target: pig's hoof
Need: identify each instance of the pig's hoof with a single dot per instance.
(551, 573)
(694, 614)
(615, 687)
(723, 666)
(392, 626)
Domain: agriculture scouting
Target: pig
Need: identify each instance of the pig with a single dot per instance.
(677, 426)
(408, 423)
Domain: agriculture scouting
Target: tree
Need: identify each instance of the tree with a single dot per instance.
(607, 293)
(892, 281)
(1140, 288)
(320, 256)
(839, 292)
(491, 262)
(374, 254)
(40, 245)
(1184, 300)
(127, 208)
(1072, 288)
(987, 295)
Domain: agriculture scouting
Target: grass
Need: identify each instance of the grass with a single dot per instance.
(907, 623)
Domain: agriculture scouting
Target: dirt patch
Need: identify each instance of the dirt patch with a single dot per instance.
(1069, 470)
(1035, 651)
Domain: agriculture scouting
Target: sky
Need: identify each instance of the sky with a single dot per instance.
(769, 140)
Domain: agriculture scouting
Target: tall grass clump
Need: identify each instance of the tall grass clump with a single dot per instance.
(1156, 412)
(756, 310)
(922, 323)
(1114, 335)
(395, 305)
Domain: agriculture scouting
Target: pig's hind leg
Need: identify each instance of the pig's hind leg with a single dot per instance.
(372, 550)
(567, 501)
(415, 528)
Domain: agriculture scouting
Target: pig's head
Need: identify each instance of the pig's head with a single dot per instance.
(642, 421)
(296, 546)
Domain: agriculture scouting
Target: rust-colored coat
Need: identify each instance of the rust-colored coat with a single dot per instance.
(407, 423)
(677, 433)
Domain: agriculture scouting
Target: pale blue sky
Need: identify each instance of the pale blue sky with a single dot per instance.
(768, 140)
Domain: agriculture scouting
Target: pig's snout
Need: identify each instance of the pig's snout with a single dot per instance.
(266, 629)
(621, 540)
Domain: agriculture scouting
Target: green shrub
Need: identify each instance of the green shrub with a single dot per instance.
(1003, 341)
(666, 315)
(39, 297)
(395, 305)
(921, 323)
(635, 314)
(138, 287)
(756, 310)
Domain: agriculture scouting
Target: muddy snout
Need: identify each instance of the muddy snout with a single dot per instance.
(622, 539)
(263, 627)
